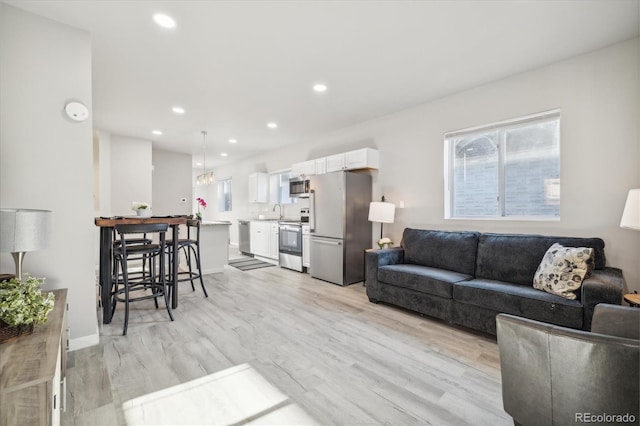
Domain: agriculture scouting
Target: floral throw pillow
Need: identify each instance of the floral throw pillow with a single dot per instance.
(563, 269)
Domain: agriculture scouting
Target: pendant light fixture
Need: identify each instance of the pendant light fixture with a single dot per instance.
(205, 178)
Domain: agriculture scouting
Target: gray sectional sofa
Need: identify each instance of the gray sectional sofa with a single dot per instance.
(467, 278)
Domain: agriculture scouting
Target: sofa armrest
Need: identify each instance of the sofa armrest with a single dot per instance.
(615, 320)
(556, 363)
(604, 286)
(373, 260)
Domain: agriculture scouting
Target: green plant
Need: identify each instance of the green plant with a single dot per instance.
(22, 302)
(139, 206)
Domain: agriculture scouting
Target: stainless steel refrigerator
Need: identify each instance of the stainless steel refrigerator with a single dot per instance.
(339, 226)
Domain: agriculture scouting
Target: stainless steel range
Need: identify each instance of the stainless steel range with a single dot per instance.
(290, 239)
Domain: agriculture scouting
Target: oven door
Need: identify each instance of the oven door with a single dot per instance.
(291, 239)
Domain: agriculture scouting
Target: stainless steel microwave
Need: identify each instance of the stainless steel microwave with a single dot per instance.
(298, 187)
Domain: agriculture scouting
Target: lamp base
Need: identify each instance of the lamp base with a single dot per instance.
(18, 257)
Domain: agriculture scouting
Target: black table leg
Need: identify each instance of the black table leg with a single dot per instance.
(105, 272)
(174, 268)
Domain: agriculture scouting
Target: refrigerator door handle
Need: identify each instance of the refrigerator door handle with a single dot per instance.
(312, 210)
(333, 243)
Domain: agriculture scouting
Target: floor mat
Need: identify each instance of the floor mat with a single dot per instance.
(249, 263)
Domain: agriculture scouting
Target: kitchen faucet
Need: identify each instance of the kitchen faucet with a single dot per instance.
(279, 209)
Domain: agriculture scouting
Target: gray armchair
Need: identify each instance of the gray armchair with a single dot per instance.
(553, 375)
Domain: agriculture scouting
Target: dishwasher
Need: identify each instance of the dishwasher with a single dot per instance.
(244, 236)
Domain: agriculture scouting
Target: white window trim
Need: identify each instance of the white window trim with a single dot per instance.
(505, 124)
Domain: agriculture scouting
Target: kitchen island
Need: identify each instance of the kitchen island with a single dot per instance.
(214, 245)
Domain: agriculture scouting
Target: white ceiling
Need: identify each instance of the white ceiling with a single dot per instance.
(235, 65)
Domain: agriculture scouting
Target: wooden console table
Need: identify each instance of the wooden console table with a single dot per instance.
(33, 371)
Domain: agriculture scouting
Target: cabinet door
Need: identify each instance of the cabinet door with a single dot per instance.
(321, 166)
(309, 168)
(258, 187)
(274, 245)
(365, 158)
(297, 169)
(260, 238)
(306, 245)
(335, 163)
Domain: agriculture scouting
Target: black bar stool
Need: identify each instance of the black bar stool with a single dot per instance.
(152, 253)
(191, 249)
(137, 239)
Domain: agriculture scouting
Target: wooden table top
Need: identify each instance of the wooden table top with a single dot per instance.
(136, 220)
(633, 298)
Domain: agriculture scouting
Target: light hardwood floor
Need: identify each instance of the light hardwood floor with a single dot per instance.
(342, 359)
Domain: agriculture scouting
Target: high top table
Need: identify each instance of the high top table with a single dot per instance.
(106, 225)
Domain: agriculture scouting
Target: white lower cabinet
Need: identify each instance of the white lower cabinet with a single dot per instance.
(264, 239)
(274, 244)
(306, 246)
(259, 238)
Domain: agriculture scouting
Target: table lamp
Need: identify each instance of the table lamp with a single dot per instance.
(382, 212)
(23, 230)
(631, 214)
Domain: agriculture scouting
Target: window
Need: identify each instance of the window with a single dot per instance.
(506, 170)
(279, 188)
(224, 195)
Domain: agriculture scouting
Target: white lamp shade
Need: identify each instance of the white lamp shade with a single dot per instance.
(382, 212)
(631, 214)
(23, 230)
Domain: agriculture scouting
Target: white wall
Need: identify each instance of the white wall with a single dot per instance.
(131, 174)
(45, 158)
(103, 170)
(599, 95)
(171, 183)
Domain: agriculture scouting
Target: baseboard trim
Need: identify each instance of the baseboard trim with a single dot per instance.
(84, 341)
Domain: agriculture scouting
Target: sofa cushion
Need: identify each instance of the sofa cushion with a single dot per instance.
(515, 258)
(453, 251)
(423, 279)
(563, 269)
(519, 300)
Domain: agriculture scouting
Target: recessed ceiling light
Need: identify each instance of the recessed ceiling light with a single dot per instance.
(178, 110)
(223, 154)
(232, 141)
(165, 21)
(320, 88)
(272, 125)
(156, 132)
(198, 164)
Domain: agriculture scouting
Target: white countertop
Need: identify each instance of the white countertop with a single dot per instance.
(214, 222)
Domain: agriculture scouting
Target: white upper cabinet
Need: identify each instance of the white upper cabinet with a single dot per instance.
(335, 162)
(305, 168)
(321, 166)
(365, 158)
(258, 187)
(297, 169)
